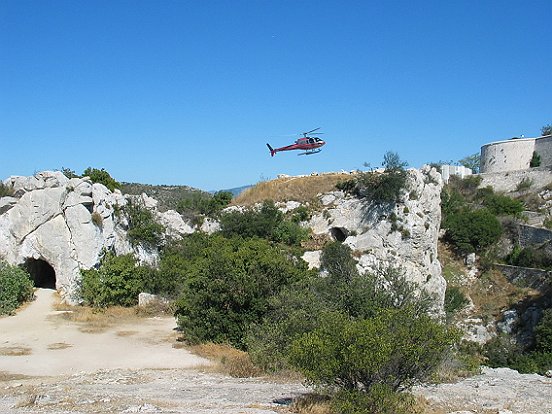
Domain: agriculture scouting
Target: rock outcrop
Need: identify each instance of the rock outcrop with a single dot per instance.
(57, 226)
(402, 235)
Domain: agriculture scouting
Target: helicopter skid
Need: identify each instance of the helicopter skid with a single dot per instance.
(311, 152)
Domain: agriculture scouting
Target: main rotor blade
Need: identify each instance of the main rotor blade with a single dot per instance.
(315, 129)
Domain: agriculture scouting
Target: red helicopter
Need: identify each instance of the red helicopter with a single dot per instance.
(309, 144)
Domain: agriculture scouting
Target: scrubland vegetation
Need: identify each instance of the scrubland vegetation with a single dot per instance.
(16, 287)
(362, 339)
(245, 297)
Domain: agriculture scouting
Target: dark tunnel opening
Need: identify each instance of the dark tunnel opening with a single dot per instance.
(42, 273)
(338, 233)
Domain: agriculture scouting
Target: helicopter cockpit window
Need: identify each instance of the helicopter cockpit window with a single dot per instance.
(311, 141)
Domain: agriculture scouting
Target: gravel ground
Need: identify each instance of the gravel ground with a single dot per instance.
(51, 365)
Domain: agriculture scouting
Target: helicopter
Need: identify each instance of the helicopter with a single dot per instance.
(309, 144)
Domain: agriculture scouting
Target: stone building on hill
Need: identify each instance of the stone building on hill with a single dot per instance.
(515, 154)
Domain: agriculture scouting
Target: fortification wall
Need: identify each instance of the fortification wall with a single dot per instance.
(515, 154)
(509, 181)
(511, 155)
(543, 147)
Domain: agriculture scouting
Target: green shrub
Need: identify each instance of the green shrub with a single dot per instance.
(501, 205)
(118, 281)
(395, 348)
(69, 173)
(228, 288)
(142, 227)
(535, 160)
(5, 190)
(385, 187)
(381, 187)
(101, 177)
(529, 257)
(379, 399)
(204, 204)
(524, 184)
(347, 186)
(267, 223)
(16, 287)
(471, 231)
(543, 333)
(297, 309)
(455, 300)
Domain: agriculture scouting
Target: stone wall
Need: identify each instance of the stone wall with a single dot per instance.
(529, 235)
(508, 181)
(515, 154)
(526, 276)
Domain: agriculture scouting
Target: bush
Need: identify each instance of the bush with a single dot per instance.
(297, 309)
(471, 231)
(267, 223)
(543, 333)
(535, 160)
(142, 227)
(204, 204)
(379, 399)
(385, 187)
(501, 205)
(395, 349)
(454, 300)
(529, 257)
(16, 287)
(381, 187)
(228, 288)
(101, 177)
(5, 190)
(118, 281)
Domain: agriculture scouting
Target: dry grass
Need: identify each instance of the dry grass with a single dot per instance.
(227, 360)
(8, 376)
(96, 320)
(15, 351)
(59, 345)
(302, 189)
(311, 404)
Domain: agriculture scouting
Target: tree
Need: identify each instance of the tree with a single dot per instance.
(472, 162)
(395, 348)
(470, 230)
(546, 130)
(142, 227)
(16, 287)
(392, 161)
(118, 281)
(228, 288)
(101, 177)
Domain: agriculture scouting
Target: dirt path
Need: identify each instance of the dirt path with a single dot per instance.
(37, 341)
(49, 364)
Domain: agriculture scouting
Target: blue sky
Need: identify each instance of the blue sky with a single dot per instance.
(189, 92)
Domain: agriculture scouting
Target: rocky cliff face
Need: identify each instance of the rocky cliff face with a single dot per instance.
(62, 223)
(403, 235)
(67, 224)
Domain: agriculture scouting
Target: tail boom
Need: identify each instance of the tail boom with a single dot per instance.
(272, 150)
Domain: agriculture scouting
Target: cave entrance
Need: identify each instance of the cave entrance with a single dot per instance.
(42, 273)
(338, 233)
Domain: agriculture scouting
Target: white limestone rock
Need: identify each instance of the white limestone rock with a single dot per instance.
(312, 258)
(68, 223)
(403, 235)
(174, 224)
(209, 226)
